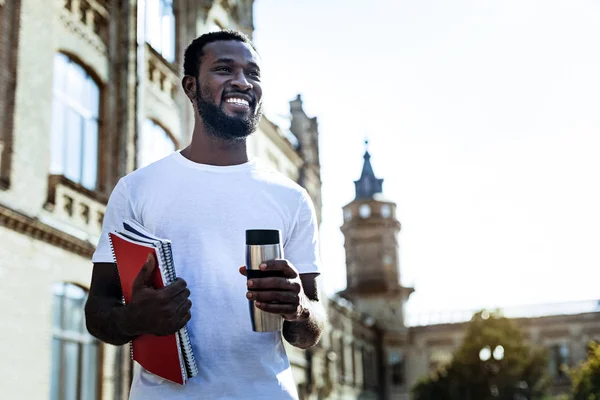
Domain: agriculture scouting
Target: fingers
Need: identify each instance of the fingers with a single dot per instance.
(284, 266)
(144, 277)
(183, 308)
(183, 314)
(274, 296)
(182, 296)
(174, 288)
(274, 283)
(184, 320)
(174, 323)
(283, 309)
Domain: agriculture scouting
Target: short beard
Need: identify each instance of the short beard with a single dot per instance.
(221, 125)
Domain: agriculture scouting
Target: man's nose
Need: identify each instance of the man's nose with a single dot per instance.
(241, 82)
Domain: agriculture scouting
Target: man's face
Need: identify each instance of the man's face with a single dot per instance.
(228, 91)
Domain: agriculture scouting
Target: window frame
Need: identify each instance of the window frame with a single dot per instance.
(86, 115)
(557, 359)
(62, 335)
(156, 42)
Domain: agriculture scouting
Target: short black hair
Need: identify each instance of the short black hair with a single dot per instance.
(195, 50)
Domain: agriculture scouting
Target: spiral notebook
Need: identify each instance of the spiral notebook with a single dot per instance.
(171, 357)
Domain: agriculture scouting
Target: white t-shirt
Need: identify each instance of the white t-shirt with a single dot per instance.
(205, 211)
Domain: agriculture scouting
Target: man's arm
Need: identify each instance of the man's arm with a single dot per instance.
(306, 332)
(149, 311)
(104, 312)
(293, 296)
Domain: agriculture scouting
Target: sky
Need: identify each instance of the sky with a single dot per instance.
(484, 120)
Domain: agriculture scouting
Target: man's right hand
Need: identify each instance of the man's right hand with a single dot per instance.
(156, 311)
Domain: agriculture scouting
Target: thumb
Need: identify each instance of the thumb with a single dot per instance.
(243, 270)
(144, 277)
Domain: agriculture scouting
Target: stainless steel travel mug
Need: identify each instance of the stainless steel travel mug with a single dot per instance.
(263, 245)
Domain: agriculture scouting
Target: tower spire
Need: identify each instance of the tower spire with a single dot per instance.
(368, 184)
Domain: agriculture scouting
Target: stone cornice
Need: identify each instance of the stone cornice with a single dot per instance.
(272, 131)
(87, 30)
(34, 228)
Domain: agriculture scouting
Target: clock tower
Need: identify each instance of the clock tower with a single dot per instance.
(372, 260)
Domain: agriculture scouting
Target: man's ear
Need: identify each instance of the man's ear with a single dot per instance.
(188, 83)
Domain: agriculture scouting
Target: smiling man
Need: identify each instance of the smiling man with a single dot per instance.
(204, 198)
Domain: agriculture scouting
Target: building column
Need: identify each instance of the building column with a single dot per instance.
(9, 38)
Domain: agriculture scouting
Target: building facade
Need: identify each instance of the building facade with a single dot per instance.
(90, 91)
(373, 350)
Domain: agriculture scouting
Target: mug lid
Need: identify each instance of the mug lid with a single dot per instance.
(258, 237)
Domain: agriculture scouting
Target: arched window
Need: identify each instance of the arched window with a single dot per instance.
(74, 132)
(75, 353)
(154, 143)
(160, 27)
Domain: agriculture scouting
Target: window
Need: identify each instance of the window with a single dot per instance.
(75, 353)
(74, 132)
(559, 360)
(386, 211)
(370, 366)
(153, 144)
(396, 365)
(160, 27)
(364, 211)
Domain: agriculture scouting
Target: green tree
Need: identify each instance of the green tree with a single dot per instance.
(493, 362)
(586, 378)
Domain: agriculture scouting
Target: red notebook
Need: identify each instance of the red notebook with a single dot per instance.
(169, 357)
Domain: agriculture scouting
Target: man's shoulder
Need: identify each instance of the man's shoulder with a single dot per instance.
(151, 171)
(276, 180)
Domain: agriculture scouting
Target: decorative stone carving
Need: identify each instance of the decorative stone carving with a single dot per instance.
(88, 19)
(161, 74)
(73, 205)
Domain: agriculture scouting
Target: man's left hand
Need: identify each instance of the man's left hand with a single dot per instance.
(279, 295)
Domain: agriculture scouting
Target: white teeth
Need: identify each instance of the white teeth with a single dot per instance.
(238, 101)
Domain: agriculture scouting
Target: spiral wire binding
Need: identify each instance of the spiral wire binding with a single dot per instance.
(184, 337)
(166, 255)
(112, 250)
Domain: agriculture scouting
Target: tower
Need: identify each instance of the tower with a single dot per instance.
(372, 258)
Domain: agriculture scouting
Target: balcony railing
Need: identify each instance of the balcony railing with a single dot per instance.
(90, 17)
(161, 75)
(75, 208)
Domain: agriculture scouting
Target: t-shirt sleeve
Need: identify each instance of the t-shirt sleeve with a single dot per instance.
(302, 246)
(118, 210)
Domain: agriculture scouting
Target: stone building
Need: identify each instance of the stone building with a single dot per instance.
(90, 91)
(373, 350)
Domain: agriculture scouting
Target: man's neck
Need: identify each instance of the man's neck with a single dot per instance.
(208, 149)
